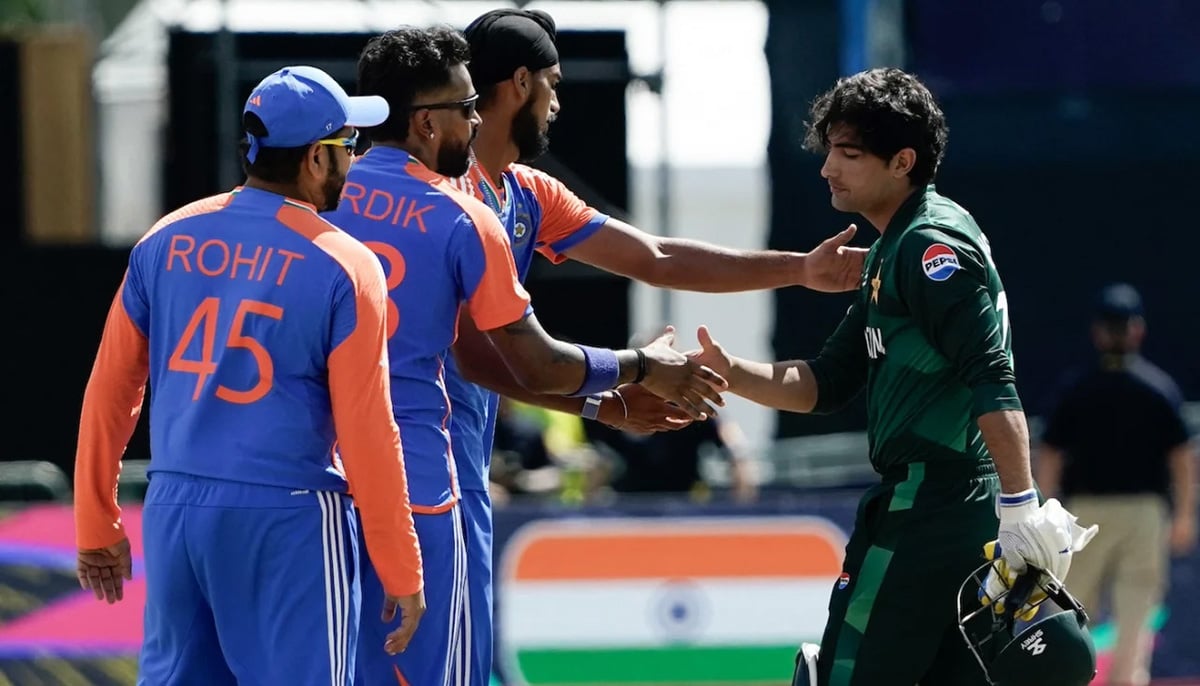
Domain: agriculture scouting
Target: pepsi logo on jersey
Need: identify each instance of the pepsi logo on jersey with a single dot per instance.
(939, 262)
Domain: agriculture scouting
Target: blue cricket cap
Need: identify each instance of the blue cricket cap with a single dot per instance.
(1118, 301)
(301, 105)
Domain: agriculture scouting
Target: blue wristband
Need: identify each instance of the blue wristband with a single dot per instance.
(1018, 499)
(603, 370)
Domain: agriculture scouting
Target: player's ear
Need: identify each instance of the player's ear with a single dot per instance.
(903, 162)
(522, 80)
(312, 160)
(421, 124)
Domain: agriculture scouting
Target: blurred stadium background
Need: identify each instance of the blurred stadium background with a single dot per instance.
(1073, 141)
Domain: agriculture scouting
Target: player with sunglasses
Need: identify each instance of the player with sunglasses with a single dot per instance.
(445, 252)
(261, 329)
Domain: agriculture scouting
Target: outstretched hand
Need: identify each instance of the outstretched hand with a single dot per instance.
(711, 354)
(833, 266)
(695, 388)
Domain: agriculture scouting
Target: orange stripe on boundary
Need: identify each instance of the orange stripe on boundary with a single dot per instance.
(652, 551)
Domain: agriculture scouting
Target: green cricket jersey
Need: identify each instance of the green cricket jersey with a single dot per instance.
(927, 334)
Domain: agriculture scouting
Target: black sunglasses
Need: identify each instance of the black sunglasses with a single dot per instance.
(467, 105)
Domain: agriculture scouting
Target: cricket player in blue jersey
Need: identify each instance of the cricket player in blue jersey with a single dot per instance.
(262, 330)
(443, 252)
(515, 67)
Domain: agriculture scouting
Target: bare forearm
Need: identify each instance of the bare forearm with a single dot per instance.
(1049, 470)
(697, 266)
(498, 378)
(1007, 437)
(481, 364)
(786, 386)
(494, 375)
(544, 365)
(1183, 479)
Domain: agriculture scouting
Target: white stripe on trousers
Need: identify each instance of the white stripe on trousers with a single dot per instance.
(468, 656)
(337, 584)
(458, 658)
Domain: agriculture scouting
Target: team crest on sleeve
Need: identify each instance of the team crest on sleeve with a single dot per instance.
(939, 262)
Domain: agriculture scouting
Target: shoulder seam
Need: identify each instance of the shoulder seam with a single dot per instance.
(196, 208)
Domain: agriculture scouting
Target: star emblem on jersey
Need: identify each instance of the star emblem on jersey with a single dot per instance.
(940, 262)
(875, 284)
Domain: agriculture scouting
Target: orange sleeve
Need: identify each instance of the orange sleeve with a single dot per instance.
(566, 219)
(499, 298)
(368, 438)
(112, 404)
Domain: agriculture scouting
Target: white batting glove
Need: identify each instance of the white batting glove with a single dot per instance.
(1045, 537)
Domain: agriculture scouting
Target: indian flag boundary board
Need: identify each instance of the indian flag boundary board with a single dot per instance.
(695, 601)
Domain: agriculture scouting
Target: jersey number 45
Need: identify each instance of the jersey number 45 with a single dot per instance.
(205, 317)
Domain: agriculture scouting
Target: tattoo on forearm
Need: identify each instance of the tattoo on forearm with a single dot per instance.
(560, 353)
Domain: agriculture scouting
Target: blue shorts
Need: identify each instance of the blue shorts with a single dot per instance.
(247, 584)
(437, 655)
(477, 511)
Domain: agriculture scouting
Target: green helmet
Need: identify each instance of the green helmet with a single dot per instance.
(1047, 645)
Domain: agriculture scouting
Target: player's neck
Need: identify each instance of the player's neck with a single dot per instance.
(415, 148)
(882, 214)
(494, 147)
(287, 190)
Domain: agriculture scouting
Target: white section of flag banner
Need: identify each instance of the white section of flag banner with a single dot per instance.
(648, 612)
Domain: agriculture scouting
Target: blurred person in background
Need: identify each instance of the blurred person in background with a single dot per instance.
(672, 461)
(541, 452)
(262, 329)
(444, 253)
(515, 67)
(927, 336)
(1116, 448)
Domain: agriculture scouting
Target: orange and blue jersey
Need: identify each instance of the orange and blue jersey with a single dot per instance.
(440, 249)
(261, 330)
(540, 215)
(243, 310)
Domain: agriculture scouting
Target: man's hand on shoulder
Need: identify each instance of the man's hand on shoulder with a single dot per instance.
(833, 266)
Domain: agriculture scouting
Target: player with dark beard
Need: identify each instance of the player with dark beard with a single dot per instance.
(444, 252)
(515, 68)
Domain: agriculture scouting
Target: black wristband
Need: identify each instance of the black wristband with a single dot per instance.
(641, 372)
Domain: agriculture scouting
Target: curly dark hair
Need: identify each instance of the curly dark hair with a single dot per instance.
(402, 63)
(890, 110)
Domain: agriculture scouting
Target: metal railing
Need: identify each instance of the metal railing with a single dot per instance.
(809, 462)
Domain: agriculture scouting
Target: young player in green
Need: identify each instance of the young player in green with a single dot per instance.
(928, 336)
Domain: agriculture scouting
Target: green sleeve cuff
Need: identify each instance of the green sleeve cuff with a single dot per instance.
(993, 397)
(835, 387)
